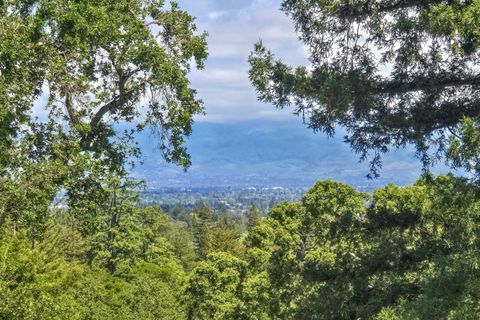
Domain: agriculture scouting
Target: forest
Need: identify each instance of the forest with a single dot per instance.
(77, 242)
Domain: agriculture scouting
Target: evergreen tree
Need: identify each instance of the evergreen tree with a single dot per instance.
(390, 72)
(202, 230)
(254, 217)
(406, 253)
(225, 238)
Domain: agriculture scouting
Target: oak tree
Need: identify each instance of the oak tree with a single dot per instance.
(95, 64)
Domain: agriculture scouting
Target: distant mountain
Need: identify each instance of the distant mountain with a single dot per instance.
(268, 153)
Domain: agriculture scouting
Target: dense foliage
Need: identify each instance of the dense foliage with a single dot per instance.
(391, 72)
(410, 253)
(399, 253)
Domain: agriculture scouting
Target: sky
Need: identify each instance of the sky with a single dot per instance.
(241, 141)
(234, 26)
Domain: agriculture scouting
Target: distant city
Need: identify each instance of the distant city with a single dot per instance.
(224, 199)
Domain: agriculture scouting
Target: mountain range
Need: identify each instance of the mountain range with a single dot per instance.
(269, 153)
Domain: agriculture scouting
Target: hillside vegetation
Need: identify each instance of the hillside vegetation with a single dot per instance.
(399, 253)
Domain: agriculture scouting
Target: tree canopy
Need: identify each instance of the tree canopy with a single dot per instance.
(100, 63)
(390, 72)
(400, 253)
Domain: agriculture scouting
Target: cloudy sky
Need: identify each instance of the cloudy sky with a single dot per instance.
(234, 26)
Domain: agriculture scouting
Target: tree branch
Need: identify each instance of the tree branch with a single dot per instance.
(366, 9)
(121, 99)
(70, 109)
(110, 106)
(424, 84)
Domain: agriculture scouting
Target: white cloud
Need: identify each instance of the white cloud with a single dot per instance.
(216, 14)
(234, 27)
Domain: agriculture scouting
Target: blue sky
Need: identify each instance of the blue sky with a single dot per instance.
(234, 26)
